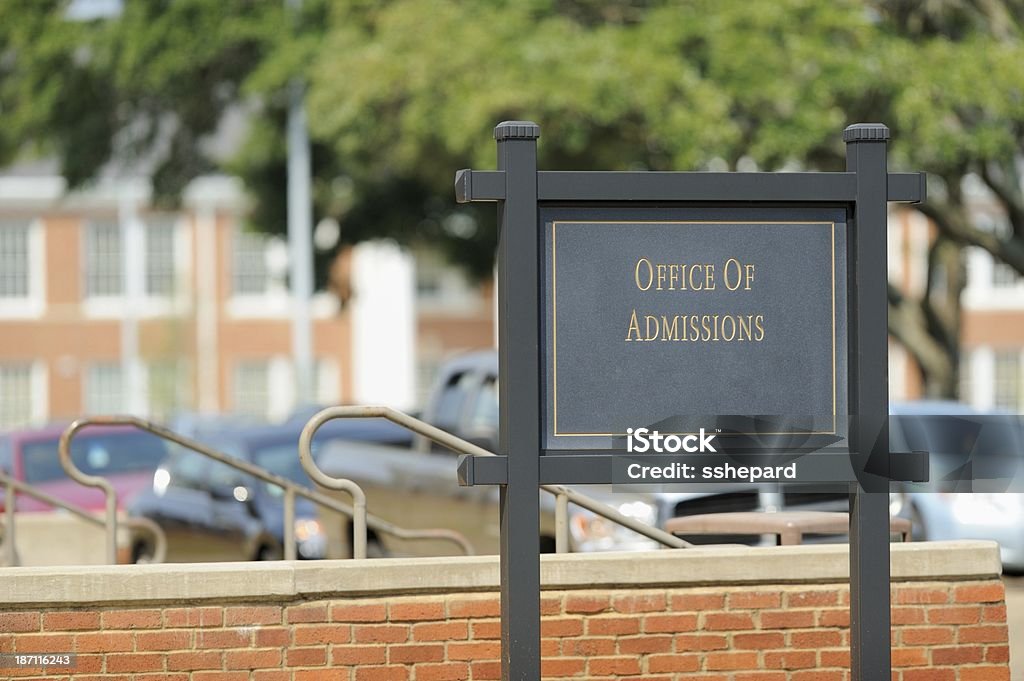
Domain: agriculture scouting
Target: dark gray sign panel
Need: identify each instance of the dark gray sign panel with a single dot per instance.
(694, 318)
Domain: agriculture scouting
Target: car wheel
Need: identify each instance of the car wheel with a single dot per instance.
(265, 552)
(142, 553)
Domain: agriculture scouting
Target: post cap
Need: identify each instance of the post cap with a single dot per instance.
(866, 132)
(516, 130)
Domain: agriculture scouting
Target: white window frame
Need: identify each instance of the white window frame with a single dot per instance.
(33, 304)
(87, 380)
(271, 303)
(106, 305)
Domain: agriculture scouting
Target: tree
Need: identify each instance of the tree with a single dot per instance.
(402, 92)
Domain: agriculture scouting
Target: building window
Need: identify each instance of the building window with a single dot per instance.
(1007, 379)
(250, 388)
(160, 258)
(104, 389)
(15, 395)
(103, 260)
(249, 274)
(14, 259)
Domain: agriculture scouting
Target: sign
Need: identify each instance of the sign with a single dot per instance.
(688, 319)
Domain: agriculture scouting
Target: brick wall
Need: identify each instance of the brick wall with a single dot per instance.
(944, 630)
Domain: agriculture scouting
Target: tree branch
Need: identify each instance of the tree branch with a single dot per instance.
(1010, 198)
(1010, 251)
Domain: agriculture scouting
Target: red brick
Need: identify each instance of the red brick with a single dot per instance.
(759, 641)
(194, 617)
(988, 633)
(760, 676)
(485, 671)
(91, 664)
(220, 676)
(272, 675)
(815, 639)
(322, 675)
(688, 642)
(755, 599)
(670, 624)
(958, 655)
(163, 640)
(271, 636)
(989, 592)
(416, 611)
(380, 633)
(811, 599)
(639, 603)
(786, 619)
(249, 615)
(817, 675)
(161, 676)
(550, 647)
(551, 605)
(317, 634)
(598, 626)
(7, 643)
(354, 655)
(612, 666)
(306, 613)
(489, 629)
(997, 654)
(645, 644)
(19, 621)
(102, 642)
(698, 601)
(967, 614)
(440, 631)
(909, 657)
(256, 658)
(993, 613)
(589, 605)
(474, 608)
(728, 621)
(561, 666)
(987, 673)
(194, 660)
(445, 671)
(477, 650)
(132, 619)
(565, 626)
(207, 639)
(835, 658)
(925, 636)
(70, 620)
(790, 659)
(919, 595)
(832, 618)
(306, 657)
(136, 662)
(931, 674)
(359, 612)
(44, 643)
(909, 615)
(409, 654)
(394, 673)
(586, 647)
(673, 663)
(730, 661)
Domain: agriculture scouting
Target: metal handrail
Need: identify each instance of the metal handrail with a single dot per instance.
(563, 495)
(291, 489)
(12, 487)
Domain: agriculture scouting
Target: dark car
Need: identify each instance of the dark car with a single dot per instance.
(211, 511)
(125, 456)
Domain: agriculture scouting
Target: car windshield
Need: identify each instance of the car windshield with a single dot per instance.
(283, 460)
(110, 453)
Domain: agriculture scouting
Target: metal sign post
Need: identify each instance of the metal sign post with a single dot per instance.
(783, 311)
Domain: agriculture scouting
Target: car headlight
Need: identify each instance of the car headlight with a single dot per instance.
(309, 535)
(161, 479)
(592, 532)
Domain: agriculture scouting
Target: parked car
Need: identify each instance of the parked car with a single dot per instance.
(977, 461)
(125, 456)
(211, 511)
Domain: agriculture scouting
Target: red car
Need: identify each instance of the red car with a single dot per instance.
(125, 456)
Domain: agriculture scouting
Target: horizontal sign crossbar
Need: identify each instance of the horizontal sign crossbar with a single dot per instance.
(489, 185)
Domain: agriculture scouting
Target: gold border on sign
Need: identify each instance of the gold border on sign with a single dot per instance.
(554, 311)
